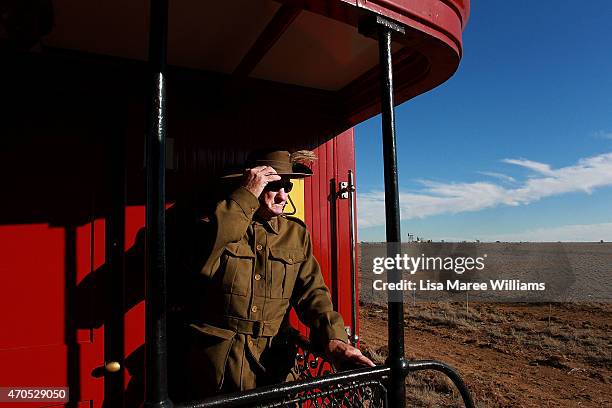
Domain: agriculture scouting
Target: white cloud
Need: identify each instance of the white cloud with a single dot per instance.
(451, 198)
(567, 233)
(532, 165)
(563, 233)
(603, 134)
(500, 176)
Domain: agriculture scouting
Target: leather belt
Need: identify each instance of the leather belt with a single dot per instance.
(254, 328)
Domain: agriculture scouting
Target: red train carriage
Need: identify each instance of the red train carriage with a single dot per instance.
(84, 84)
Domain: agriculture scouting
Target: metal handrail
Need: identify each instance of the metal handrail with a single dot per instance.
(351, 203)
(268, 393)
(271, 393)
(351, 378)
(450, 372)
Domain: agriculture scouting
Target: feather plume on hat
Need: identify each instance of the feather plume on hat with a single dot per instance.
(292, 165)
(305, 157)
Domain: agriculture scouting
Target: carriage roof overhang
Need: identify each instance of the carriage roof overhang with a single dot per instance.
(312, 46)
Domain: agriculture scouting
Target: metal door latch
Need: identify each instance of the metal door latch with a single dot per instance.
(345, 190)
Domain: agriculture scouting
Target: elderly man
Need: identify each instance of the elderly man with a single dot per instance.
(260, 264)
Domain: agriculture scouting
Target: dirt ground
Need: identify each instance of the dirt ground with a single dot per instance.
(510, 355)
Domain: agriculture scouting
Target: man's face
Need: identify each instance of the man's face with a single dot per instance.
(273, 199)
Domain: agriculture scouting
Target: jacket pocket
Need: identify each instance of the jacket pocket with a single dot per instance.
(209, 352)
(237, 264)
(284, 267)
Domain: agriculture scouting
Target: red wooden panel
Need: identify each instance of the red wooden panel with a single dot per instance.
(91, 362)
(134, 221)
(32, 285)
(84, 239)
(329, 231)
(324, 201)
(319, 202)
(40, 345)
(92, 383)
(345, 160)
(99, 249)
(135, 317)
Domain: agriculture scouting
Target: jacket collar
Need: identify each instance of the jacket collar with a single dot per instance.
(271, 225)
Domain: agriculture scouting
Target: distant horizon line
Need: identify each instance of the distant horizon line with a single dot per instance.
(489, 242)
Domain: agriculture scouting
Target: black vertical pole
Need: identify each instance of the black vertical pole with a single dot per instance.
(396, 305)
(381, 29)
(156, 364)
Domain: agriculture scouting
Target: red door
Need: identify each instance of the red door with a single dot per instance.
(327, 217)
(43, 344)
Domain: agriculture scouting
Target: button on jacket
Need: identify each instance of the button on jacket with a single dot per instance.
(255, 272)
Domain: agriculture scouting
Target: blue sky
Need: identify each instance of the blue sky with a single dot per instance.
(517, 145)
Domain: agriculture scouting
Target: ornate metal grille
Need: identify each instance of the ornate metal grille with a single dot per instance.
(309, 363)
(367, 394)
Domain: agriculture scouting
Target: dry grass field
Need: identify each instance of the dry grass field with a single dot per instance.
(573, 271)
(552, 350)
(511, 355)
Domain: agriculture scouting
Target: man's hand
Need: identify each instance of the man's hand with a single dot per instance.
(256, 179)
(341, 353)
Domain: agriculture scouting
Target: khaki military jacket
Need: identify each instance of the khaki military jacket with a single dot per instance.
(255, 272)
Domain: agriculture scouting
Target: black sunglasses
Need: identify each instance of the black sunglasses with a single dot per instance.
(277, 185)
